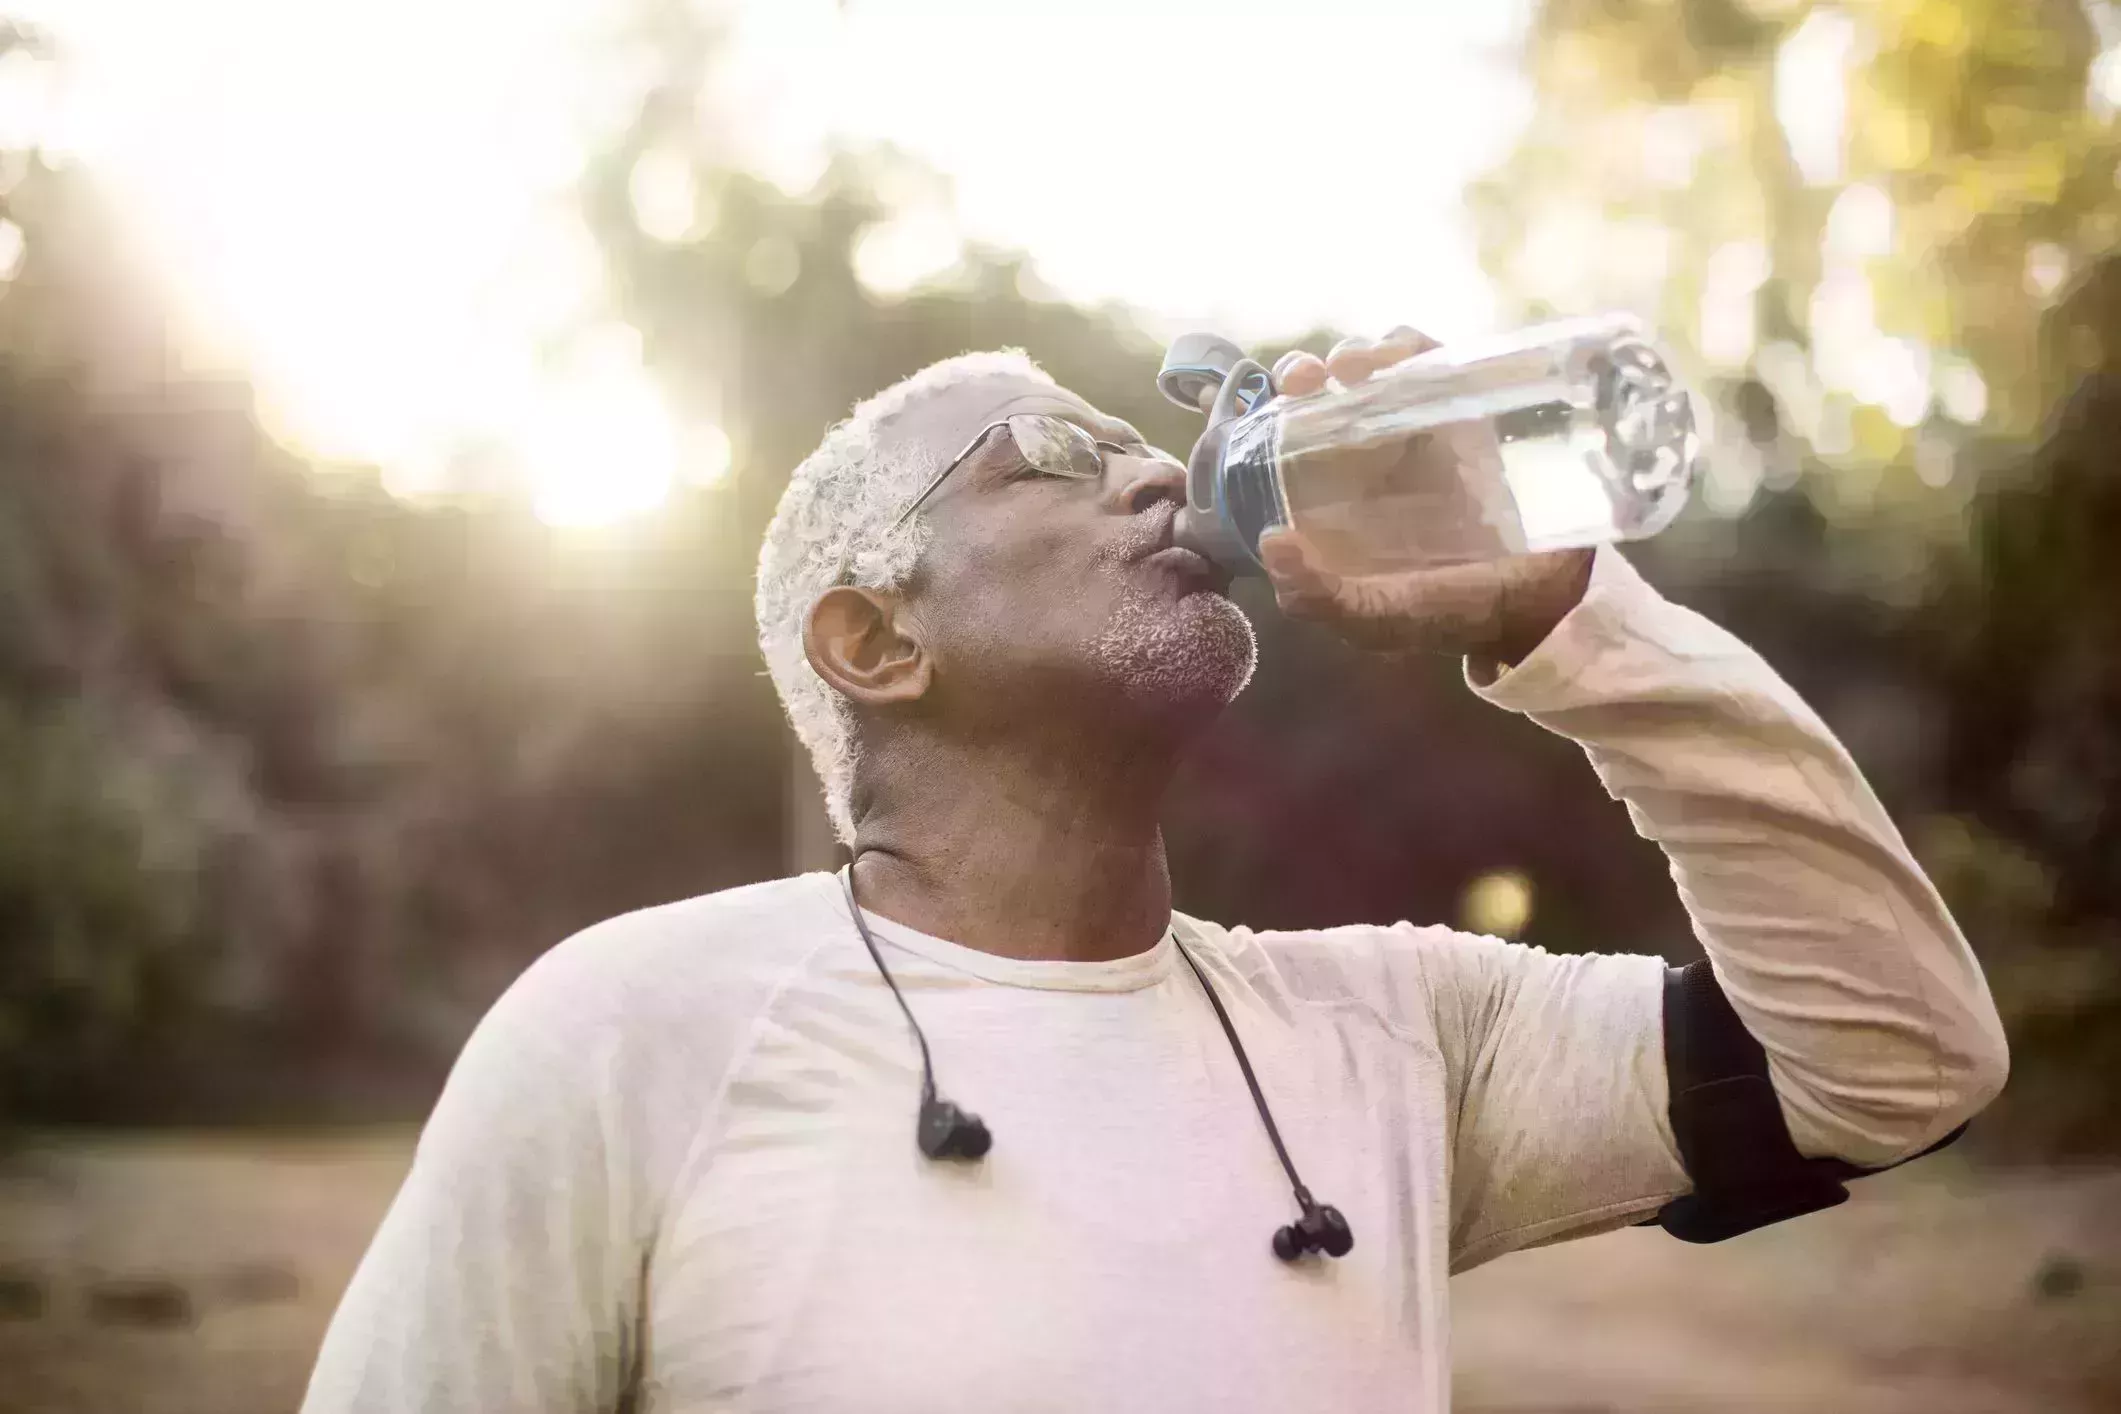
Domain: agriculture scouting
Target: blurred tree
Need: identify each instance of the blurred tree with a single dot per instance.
(99, 919)
(1849, 217)
(1865, 228)
(2030, 624)
(294, 777)
(2028, 664)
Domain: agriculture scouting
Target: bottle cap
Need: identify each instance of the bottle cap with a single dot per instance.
(1195, 366)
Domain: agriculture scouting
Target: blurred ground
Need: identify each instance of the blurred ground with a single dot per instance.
(1938, 1289)
(194, 1275)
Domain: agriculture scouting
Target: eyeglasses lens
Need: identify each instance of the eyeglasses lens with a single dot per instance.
(1056, 447)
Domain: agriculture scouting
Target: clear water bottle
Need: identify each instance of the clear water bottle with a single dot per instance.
(1557, 437)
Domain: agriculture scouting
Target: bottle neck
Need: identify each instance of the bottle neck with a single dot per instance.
(1237, 498)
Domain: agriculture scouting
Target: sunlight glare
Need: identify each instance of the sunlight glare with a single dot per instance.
(1844, 327)
(27, 100)
(602, 447)
(1188, 168)
(384, 270)
(1811, 93)
(1730, 288)
(1860, 224)
(708, 455)
(1895, 376)
(902, 251)
(2103, 84)
(1963, 393)
(373, 209)
(665, 196)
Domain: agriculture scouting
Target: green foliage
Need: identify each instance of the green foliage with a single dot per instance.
(99, 913)
(1966, 183)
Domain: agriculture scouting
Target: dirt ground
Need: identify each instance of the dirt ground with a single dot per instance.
(194, 1275)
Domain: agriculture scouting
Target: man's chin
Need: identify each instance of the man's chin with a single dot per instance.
(1192, 655)
(1227, 635)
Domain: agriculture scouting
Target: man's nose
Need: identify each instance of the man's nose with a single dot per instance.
(1144, 481)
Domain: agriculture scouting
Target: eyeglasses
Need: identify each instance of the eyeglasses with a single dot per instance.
(1052, 445)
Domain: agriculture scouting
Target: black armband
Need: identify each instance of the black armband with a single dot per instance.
(1732, 1138)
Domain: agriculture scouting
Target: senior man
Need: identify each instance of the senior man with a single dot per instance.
(675, 1168)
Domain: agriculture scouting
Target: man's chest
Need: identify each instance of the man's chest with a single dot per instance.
(1111, 1252)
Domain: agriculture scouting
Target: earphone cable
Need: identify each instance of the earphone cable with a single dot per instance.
(1259, 1101)
(927, 1066)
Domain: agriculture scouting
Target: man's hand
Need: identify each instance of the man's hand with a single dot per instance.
(1494, 611)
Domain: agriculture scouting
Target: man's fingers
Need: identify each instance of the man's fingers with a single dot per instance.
(1402, 343)
(1281, 550)
(1358, 359)
(1354, 360)
(1351, 360)
(1298, 373)
(1300, 586)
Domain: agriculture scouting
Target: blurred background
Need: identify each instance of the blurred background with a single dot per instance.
(392, 396)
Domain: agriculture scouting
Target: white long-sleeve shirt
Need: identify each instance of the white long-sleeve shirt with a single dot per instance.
(680, 1149)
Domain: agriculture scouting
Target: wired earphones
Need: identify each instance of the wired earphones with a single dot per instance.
(945, 1131)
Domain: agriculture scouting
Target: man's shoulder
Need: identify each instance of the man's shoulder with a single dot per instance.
(747, 920)
(606, 1049)
(689, 960)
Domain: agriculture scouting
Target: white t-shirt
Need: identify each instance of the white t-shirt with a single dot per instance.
(679, 1153)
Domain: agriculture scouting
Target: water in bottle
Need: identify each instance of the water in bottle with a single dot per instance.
(1557, 437)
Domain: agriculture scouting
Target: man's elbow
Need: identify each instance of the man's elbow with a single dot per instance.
(1980, 1079)
(1949, 1068)
(1903, 1102)
(1971, 1066)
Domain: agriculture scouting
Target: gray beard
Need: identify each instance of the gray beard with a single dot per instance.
(1199, 654)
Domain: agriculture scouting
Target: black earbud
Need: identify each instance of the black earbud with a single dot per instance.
(1320, 1229)
(943, 1131)
(947, 1132)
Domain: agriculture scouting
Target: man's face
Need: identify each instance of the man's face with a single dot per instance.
(1037, 593)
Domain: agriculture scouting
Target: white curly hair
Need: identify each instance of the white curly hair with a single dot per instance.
(833, 526)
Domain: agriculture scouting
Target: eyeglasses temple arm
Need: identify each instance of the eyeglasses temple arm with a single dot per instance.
(948, 467)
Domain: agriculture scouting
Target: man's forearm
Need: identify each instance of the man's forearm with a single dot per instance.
(1829, 940)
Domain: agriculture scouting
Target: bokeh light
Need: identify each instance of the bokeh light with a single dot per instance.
(1498, 904)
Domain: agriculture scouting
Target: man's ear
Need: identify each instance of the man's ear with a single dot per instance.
(866, 646)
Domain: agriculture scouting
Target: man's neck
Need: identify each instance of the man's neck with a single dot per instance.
(1051, 856)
